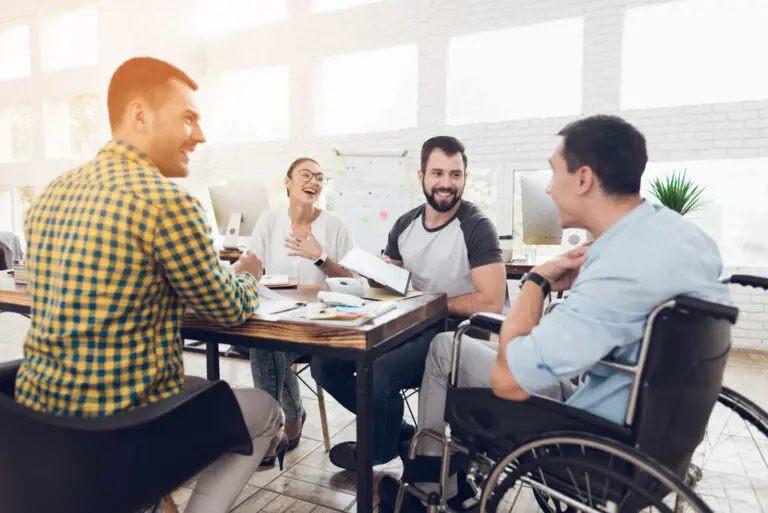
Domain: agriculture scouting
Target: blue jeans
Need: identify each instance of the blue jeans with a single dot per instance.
(272, 373)
(400, 369)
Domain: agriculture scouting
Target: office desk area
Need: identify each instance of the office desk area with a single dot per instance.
(362, 344)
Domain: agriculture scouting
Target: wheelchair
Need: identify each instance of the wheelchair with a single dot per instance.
(573, 460)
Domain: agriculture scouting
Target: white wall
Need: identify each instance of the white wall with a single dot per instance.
(729, 130)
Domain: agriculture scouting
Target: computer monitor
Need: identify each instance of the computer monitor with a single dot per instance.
(246, 200)
(541, 223)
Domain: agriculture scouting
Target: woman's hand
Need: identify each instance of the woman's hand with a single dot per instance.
(308, 247)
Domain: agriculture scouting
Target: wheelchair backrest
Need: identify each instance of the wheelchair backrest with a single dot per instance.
(681, 364)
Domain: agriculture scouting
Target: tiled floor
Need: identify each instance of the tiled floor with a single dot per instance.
(735, 473)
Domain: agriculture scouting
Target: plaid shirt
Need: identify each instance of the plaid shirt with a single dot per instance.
(115, 252)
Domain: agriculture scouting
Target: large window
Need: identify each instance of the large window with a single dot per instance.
(14, 51)
(369, 91)
(249, 105)
(518, 73)
(734, 212)
(15, 132)
(694, 52)
(71, 39)
(72, 127)
(333, 5)
(218, 17)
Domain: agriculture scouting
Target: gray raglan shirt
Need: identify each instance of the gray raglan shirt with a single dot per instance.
(442, 259)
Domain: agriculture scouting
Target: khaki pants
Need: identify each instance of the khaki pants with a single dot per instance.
(219, 484)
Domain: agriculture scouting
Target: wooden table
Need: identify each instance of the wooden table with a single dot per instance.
(362, 344)
(516, 271)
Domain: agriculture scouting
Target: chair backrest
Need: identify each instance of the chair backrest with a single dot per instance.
(681, 364)
(119, 463)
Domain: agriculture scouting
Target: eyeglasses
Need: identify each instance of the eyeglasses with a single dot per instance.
(306, 176)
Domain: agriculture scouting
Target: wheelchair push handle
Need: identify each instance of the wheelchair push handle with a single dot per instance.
(746, 280)
(490, 322)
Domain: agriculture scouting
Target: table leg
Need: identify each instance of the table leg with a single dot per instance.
(212, 360)
(364, 436)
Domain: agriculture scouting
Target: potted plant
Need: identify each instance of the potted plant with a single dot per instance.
(678, 192)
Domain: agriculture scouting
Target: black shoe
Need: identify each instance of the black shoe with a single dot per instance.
(344, 455)
(388, 489)
(269, 461)
(292, 444)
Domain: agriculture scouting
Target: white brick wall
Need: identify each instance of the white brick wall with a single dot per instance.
(731, 130)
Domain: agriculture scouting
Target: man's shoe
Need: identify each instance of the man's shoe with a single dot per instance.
(344, 455)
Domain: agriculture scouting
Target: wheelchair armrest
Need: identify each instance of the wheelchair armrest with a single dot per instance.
(8, 372)
(708, 308)
(746, 280)
(490, 322)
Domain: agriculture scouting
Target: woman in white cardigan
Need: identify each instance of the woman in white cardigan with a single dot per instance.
(298, 240)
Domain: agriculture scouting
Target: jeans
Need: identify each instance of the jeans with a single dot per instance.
(272, 373)
(397, 370)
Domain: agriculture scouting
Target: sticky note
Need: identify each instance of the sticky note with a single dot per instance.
(340, 172)
(402, 186)
(384, 215)
(365, 219)
(343, 161)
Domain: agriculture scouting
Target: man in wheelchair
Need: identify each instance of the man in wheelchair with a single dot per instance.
(642, 255)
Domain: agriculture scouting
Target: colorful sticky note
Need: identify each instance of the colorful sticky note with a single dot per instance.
(340, 171)
(365, 219)
(402, 186)
(343, 161)
(384, 215)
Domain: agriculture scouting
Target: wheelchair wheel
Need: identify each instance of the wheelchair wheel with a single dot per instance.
(735, 442)
(572, 472)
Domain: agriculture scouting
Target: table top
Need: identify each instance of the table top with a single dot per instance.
(408, 313)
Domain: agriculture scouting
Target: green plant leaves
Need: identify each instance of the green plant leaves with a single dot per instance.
(678, 192)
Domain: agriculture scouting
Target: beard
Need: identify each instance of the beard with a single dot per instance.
(441, 204)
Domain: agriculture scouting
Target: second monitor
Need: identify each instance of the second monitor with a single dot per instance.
(541, 222)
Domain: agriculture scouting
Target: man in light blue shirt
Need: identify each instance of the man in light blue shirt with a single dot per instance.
(642, 255)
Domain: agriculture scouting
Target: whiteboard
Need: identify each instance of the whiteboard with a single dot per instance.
(370, 193)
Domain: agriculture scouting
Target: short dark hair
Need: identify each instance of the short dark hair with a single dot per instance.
(449, 145)
(613, 148)
(145, 75)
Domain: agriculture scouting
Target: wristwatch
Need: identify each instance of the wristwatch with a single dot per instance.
(320, 261)
(539, 280)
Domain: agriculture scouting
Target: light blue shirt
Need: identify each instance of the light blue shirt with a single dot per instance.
(650, 256)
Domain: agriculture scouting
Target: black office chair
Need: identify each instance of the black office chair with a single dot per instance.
(576, 461)
(120, 463)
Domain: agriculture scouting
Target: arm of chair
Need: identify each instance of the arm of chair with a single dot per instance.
(490, 322)
(8, 372)
(746, 280)
(708, 308)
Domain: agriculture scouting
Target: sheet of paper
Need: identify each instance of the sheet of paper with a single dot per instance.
(270, 307)
(269, 294)
(374, 268)
(377, 294)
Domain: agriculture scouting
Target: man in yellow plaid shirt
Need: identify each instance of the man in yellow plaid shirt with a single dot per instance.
(115, 252)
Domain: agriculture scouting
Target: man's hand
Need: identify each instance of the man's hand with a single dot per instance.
(563, 270)
(249, 263)
(390, 261)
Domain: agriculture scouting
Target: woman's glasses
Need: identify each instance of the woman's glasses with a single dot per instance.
(306, 176)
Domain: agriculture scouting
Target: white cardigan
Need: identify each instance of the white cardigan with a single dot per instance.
(274, 226)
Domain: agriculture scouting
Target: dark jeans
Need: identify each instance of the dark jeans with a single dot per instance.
(400, 369)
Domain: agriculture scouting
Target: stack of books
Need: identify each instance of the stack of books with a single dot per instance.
(20, 274)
